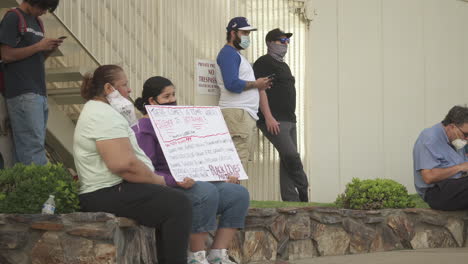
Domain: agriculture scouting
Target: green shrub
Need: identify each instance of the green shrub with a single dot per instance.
(374, 194)
(24, 189)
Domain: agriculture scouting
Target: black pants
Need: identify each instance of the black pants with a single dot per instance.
(448, 195)
(166, 209)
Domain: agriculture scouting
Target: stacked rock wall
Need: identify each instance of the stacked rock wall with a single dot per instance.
(270, 235)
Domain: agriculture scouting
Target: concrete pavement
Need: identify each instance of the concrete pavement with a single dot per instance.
(420, 256)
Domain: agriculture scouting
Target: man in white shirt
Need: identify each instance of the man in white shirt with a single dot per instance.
(239, 99)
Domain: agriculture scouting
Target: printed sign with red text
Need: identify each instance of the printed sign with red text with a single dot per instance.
(206, 77)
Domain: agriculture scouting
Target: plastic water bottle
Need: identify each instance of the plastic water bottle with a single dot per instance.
(49, 205)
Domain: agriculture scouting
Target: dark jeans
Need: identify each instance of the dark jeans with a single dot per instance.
(166, 209)
(448, 195)
(293, 180)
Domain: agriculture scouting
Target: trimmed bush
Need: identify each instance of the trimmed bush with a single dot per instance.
(24, 189)
(374, 194)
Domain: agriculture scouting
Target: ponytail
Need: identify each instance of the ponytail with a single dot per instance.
(93, 83)
(140, 105)
(86, 87)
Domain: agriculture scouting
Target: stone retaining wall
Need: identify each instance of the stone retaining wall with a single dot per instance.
(270, 235)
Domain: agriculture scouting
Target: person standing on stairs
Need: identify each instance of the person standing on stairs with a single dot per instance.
(24, 50)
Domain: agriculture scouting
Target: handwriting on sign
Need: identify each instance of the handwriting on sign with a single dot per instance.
(225, 170)
(196, 142)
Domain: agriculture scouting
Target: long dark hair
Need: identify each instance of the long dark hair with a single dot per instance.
(151, 89)
(93, 84)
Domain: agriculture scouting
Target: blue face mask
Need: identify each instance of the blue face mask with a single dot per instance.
(245, 42)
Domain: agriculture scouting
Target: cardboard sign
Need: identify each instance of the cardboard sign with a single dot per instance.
(205, 77)
(196, 142)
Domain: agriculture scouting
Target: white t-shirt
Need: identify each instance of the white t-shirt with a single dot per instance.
(99, 121)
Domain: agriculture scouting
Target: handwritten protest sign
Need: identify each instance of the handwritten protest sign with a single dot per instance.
(206, 77)
(196, 142)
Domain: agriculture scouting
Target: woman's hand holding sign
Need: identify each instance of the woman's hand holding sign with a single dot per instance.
(233, 179)
(187, 183)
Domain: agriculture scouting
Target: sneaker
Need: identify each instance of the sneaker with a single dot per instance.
(197, 258)
(219, 256)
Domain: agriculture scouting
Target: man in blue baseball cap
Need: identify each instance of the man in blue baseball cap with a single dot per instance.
(239, 99)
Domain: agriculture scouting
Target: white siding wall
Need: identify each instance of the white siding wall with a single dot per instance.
(379, 71)
(162, 37)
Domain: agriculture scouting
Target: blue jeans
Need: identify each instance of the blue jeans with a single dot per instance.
(28, 116)
(209, 199)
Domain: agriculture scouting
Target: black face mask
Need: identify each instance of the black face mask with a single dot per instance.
(170, 103)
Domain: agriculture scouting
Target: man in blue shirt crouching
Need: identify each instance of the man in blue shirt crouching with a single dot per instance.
(441, 164)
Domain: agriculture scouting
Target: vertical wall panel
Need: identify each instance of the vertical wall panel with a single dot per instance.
(360, 89)
(322, 109)
(443, 61)
(403, 76)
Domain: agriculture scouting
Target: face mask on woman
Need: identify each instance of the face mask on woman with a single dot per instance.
(169, 103)
(123, 106)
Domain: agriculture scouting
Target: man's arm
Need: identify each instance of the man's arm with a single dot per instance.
(10, 54)
(440, 174)
(271, 123)
(229, 63)
(8, 40)
(119, 157)
(261, 84)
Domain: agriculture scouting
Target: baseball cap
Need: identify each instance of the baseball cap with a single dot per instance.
(240, 23)
(276, 34)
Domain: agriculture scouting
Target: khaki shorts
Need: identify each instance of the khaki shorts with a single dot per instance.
(242, 129)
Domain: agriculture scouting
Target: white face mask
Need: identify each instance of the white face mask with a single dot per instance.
(245, 42)
(459, 143)
(123, 106)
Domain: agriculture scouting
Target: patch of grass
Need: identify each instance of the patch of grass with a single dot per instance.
(276, 204)
(418, 201)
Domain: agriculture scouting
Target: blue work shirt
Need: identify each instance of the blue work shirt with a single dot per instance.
(433, 150)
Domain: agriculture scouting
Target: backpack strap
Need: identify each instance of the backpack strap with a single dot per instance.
(22, 26)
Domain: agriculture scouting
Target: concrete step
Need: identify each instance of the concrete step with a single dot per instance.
(68, 47)
(66, 74)
(66, 96)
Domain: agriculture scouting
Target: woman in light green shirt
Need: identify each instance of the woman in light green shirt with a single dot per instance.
(115, 174)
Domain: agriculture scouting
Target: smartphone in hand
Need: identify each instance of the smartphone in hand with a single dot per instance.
(62, 37)
(271, 76)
